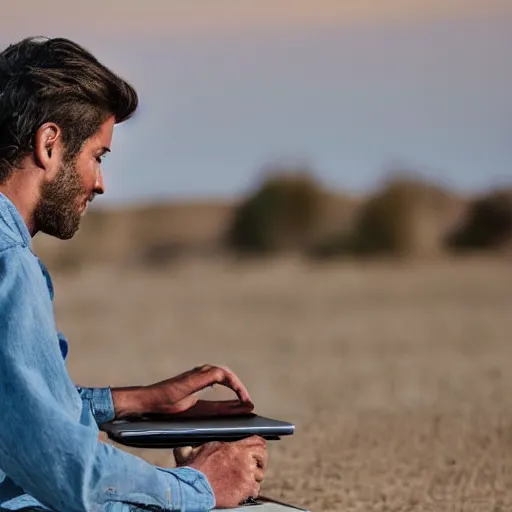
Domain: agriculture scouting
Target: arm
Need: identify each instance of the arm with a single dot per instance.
(48, 447)
(109, 403)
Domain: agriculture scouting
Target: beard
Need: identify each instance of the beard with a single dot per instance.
(57, 213)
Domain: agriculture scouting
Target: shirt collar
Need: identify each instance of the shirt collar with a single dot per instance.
(14, 219)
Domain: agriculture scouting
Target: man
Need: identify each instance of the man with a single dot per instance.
(58, 108)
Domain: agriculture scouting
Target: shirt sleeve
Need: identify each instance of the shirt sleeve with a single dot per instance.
(99, 401)
(46, 446)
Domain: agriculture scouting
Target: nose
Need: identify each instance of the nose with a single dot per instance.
(99, 186)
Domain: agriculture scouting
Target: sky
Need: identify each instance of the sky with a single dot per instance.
(352, 89)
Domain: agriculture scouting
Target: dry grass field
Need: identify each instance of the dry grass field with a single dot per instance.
(397, 375)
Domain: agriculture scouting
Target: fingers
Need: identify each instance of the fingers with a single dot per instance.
(256, 490)
(231, 380)
(222, 407)
(259, 475)
(208, 375)
(260, 456)
(209, 408)
(252, 441)
(251, 488)
(234, 405)
(227, 378)
(182, 454)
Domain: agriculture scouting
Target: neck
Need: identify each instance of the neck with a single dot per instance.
(22, 189)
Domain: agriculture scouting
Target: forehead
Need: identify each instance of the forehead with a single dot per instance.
(103, 137)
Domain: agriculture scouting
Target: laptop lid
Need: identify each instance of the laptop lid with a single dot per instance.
(172, 432)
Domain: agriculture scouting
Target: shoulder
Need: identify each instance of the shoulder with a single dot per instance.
(21, 269)
(13, 231)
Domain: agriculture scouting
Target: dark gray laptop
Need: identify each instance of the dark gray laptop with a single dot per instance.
(171, 432)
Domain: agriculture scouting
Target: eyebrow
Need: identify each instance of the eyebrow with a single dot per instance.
(104, 150)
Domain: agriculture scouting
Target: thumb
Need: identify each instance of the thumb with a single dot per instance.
(184, 454)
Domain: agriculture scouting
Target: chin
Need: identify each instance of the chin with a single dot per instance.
(67, 236)
(60, 236)
(60, 232)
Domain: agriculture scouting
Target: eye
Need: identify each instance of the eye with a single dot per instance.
(99, 159)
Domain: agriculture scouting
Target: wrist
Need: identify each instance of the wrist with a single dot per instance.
(130, 401)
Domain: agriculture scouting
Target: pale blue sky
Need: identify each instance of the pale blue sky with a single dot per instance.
(353, 99)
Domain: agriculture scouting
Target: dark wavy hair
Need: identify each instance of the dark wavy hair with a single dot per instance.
(55, 80)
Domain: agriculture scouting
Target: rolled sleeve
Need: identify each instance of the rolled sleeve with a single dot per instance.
(189, 490)
(100, 402)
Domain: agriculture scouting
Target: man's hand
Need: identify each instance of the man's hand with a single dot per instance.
(234, 470)
(177, 396)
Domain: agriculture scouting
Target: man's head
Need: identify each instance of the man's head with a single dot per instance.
(58, 108)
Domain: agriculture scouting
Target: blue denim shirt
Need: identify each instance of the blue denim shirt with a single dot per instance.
(50, 454)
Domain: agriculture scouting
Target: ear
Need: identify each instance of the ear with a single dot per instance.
(48, 148)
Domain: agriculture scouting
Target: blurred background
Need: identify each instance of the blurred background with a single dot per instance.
(318, 195)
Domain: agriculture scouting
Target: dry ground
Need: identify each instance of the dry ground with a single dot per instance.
(397, 376)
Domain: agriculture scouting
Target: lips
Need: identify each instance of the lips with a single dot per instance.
(85, 204)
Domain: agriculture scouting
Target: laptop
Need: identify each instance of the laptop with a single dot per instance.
(170, 432)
